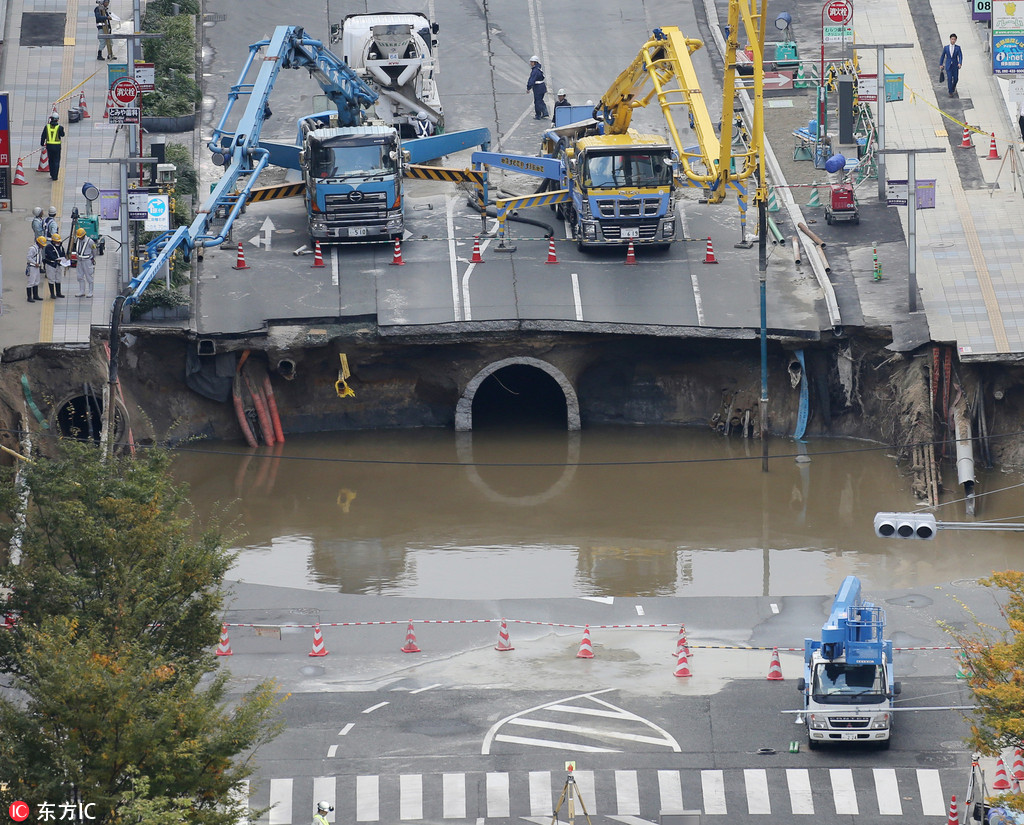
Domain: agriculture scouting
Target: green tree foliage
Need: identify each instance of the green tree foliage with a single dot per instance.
(117, 693)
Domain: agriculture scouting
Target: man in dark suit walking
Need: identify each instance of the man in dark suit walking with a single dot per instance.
(951, 61)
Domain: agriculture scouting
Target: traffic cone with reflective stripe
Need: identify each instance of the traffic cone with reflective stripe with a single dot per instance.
(993, 151)
(681, 643)
(476, 259)
(709, 254)
(19, 174)
(44, 161)
(586, 650)
(396, 259)
(954, 816)
(504, 643)
(224, 648)
(318, 642)
(82, 106)
(110, 104)
(682, 664)
(630, 255)
(1002, 782)
(240, 259)
(1018, 764)
(318, 256)
(775, 668)
(410, 638)
(965, 141)
(814, 200)
(552, 257)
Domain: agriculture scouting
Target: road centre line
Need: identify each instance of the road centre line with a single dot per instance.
(452, 262)
(344, 731)
(372, 708)
(428, 687)
(579, 307)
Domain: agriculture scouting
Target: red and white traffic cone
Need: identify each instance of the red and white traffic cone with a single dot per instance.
(224, 648)
(681, 643)
(1002, 782)
(54, 112)
(44, 161)
(965, 141)
(81, 104)
(682, 664)
(318, 256)
(19, 174)
(396, 260)
(709, 254)
(410, 638)
(318, 642)
(775, 668)
(110, 104)
(476, 259)
(504, 643)
(552, 257)
(586, 650)
(954, 814)
(10, 621)
(1018, 764)
(630, 255)
(240, 259)
(993, 151)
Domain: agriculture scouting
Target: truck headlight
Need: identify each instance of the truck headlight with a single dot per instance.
(880, 722)
(318, 226)
(395, 222)
(668, 229)
(590, 231)
(817, 721)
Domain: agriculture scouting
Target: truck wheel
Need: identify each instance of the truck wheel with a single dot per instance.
(884, 744)
(856, 221)
(812, 744)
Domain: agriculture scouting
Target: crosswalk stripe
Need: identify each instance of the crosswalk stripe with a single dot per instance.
(585, 784)
(280, 801)
(325, 790)
(756, 781)
(410, 789)
(712, 785)
(627, 793)
(844, 794)
(888, 792)
(540, 793)
(670, 790)
(801, 800)
(497, 795)
(367, 799)
(454, 793)
(933, 803)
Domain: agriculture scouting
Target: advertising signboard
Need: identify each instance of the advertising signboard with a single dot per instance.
(1007, 37)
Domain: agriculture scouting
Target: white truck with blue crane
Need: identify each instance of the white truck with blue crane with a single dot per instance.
(848, 686)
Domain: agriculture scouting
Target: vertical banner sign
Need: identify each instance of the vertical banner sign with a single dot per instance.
(5, 151)
(1007, 37)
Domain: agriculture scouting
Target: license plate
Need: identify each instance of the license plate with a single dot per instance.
(630, 232)
(357, 232)
(852, 736)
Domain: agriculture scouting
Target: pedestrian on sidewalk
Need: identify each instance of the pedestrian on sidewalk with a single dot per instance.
(38, 222)
(103, 26)
(51, 226)
(951, 60)
(33, 266)
(539, 87)
(85, 251)
(55, 259)
(53, 134)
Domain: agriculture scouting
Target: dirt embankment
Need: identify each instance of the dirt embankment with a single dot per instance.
(854, 388)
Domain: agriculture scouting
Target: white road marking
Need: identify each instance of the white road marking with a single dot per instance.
(756, 782)
(712, 784)
(608, 714)
(239, 795)
(887, 790)
(696, 296)
(454, 793)
(453, 266)
(844, 794)
(640, 610)
(576, 299)
(335, 276)
(774, 607)
(344, 731)
(933, 803)
(544, 724)
(547, 743)
(670, 791)
(410, 789)
(540, 793)
(800, 798)
(585, 787)
(627, 793)
(599, 599)
(280, 801)
(367, 799)
(332, 751)
(378, 706)
(325, 789)
(497, 795)
(428, 687)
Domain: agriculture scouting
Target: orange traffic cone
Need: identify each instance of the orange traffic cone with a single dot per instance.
(681, 644)
(19, 174)
(110, 104)
(965, 141)
(630, 255)
(476, 259)
(775, 668)
(44, 161)
(224, 648)
(1002, 782)
(586, 650)
(318, 642)
(410, 634)
(709, 254)
(397, 259)
(504, 643)
(993, 152)
(682, 664)
(240, 260)
(954, 816)
(318, 256)
(1018, 764)
(82, 106)
(552, 257)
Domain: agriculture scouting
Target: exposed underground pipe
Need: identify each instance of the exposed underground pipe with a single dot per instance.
(803, 228)
(796, 251)
(964, 453)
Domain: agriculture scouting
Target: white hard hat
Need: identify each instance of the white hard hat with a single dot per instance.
(561, 92)
(421, 115)
(324, 805)
(535, 59)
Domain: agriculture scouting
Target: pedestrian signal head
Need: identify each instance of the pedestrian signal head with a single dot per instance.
(905, 525)
(80, 232)
(55, 238)
(41, 240)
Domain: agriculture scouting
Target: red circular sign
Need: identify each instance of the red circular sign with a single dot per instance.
(125, 91)
(839, 11)
(19, 811)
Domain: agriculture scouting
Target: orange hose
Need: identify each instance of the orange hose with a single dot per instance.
(243, 422)
(261, 411)
(268, 392)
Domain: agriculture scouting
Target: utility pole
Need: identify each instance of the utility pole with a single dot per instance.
(880, 69)
(131, 39)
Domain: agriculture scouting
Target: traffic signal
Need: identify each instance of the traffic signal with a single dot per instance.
(905, 525)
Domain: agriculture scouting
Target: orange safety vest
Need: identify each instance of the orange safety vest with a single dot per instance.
(52, 135)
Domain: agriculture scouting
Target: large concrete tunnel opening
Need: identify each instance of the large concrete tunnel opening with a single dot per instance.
(81, 417)
(518, 393)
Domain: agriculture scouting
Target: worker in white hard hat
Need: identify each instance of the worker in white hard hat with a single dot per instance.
(539, 87)
(560, 100)
(323, 807)
(424, 128)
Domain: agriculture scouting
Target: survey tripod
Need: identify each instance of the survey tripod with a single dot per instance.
(974, 799)
(570, 794)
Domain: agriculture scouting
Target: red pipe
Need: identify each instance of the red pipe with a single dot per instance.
(243, 422)
(268, 392)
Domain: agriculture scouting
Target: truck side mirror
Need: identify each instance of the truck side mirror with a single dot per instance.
(897, 688)
(435, 28)
(801, 684)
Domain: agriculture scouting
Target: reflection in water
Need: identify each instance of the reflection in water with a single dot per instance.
(596, 517)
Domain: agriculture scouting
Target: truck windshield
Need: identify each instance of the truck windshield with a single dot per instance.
(353, 161)
(848, 684)
(641, 169)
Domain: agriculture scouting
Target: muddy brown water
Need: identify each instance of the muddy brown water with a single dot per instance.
(606, 512)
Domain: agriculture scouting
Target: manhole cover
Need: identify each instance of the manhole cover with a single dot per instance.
(940, 245)
(42, 28)
(913, 600)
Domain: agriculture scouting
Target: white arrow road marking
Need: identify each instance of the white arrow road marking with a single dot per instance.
(266, 229)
